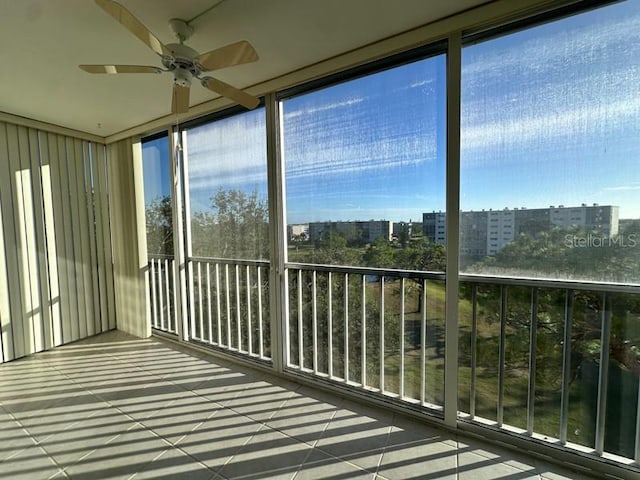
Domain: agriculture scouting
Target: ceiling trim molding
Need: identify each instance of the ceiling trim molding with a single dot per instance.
(50, 127)
(488, 15)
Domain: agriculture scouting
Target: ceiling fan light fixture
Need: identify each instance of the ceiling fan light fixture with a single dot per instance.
(183, 61)
(182, 77)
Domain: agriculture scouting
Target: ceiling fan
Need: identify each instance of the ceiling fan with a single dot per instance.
(184, 62)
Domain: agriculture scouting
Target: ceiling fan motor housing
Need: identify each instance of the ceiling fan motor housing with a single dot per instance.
(182, 64)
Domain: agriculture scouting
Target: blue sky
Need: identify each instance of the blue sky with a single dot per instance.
(551, 116)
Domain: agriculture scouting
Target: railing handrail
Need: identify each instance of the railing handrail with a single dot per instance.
(387, 272)
(159, 256)
(520, 281)
(550, 283)
(230, 261)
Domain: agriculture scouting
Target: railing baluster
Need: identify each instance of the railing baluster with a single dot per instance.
(603, 377)
(209, 317)
(346, 327)
(174, 284)
(474, 345)
(423, 344)
(167, 295)
(218, 309)
(238, 316)
(260, 334)
(249, 334)
(329, 327)
(637, 455)
(531, 400)
(227, 303)
(566, 366)
(402, 333)
(192, 320)
(363, 333)
(161, 301)
(314, 320)
(200, 313)
(501, 354)
(382, 333)
(300, 332)
(154, 306)
(160, 290)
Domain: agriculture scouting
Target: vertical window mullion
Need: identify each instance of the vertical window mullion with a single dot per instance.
(454, 65)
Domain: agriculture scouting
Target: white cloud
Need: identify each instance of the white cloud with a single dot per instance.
(323, 108)
(623, 188)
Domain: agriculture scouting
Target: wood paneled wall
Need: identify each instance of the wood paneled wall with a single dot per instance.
(56, 275)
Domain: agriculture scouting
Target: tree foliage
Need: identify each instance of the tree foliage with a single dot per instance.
(237, 227)
(159, 227)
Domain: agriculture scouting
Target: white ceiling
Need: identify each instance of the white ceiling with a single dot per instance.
(43, 41)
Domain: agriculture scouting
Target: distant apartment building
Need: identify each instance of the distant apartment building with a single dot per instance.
(299, 231)
(366, 231)
(410, 227)
(486, 232)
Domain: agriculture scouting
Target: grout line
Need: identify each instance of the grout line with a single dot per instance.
(386, 443)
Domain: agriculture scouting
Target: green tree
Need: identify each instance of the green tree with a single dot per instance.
(159, 227)
(237, 227)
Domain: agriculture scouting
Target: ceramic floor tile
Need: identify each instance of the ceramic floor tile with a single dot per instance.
(13, 438)
(223, 388)
(181, 417)
(511, 458)
(472, 466)
(119, 458)
(61, 415)
(218, 439)
(426, 459)
(269, 454)
(260, 400)
(173, 464)
(549, 471)
(322, 466)
(358, 439)
(303, 417)
(30, 464)
(408, 430)
(73, 443)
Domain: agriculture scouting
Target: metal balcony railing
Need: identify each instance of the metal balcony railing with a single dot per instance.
(229, 305)
(555, 361)
(163, 293)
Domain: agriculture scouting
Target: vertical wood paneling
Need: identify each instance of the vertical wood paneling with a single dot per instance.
(91, 231)
(6, 349)
(42, 272)
(70, 324)
(102, 192)
(13, 221)
(56, 279)
(101, 287)
(129, 240)
(64, 242)
(51, 238)
(9, 299)
(74, 150)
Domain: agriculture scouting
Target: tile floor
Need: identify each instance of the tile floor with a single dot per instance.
(114, 406)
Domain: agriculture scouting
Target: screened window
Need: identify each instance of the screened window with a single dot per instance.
(157, 195)
(551, 139)
(227, 194)
(364, 162)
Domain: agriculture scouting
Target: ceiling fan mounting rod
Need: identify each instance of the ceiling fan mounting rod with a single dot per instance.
(181, 29)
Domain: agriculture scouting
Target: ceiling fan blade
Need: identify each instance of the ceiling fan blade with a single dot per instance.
(224, 89)
(120, 69)
(134, 25)
(232, 54)
(180, 99)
